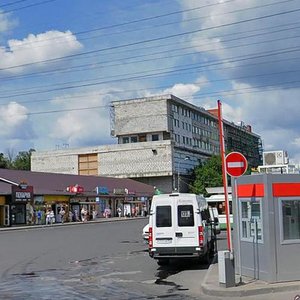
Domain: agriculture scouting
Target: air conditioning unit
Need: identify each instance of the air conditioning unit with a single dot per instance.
(275, 158)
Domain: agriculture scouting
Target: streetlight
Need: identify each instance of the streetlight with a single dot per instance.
(178, 175)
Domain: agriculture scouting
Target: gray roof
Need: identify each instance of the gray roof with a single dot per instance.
(56, 184)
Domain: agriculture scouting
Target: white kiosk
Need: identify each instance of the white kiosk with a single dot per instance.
(266, 210)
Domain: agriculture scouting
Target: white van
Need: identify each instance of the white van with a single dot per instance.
(180, 227)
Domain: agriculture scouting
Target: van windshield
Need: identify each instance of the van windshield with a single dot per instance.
(163, 216)
(185, 215)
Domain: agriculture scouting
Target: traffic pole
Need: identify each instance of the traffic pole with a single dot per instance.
(224, 176)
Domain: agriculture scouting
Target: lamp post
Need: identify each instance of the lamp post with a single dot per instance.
(178, 175)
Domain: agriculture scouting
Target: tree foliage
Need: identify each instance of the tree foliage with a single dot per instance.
(21, 162)
(207, 174)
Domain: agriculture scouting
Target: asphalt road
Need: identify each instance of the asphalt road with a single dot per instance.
(90, 261)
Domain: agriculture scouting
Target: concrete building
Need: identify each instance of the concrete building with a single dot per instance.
(160, 140)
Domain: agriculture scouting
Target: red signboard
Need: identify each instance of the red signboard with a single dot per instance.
(236, 164)
(75, 189)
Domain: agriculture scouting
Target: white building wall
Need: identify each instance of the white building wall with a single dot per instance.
(120, 160)
(137, 160)
(52, 162)
(141, 116)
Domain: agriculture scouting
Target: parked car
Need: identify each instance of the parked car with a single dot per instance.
(146, 233)
(180, 227)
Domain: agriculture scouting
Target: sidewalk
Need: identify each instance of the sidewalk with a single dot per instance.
(99, 220)
(248, 287)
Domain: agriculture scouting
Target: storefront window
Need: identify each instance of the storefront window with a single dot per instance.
(291, 219)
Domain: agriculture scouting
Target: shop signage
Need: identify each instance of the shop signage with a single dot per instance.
(75, 189)
(102, 190)
(120, 191)
(21, 194)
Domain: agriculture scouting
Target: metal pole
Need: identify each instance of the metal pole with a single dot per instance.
(224, 175)
(238, 224)
(178, 175)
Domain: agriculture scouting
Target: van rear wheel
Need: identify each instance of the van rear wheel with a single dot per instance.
(163, 261)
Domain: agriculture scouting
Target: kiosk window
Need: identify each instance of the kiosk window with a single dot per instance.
(185, 215)
(291, 219)
(250, 223)
(163, 216)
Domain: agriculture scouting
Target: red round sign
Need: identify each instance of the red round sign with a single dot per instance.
(236, 164)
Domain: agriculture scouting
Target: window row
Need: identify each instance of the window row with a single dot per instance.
(194, 115)
(143, 138)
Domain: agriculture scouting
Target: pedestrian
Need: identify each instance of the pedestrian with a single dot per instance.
(133, 211)
(39, 217)
(76, 216)
(95, 214)
(83, 214)
(70, 216)
(62, 215)
(52, 217)
(48, 217)
(119, 210)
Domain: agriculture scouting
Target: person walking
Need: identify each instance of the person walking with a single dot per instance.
(119, 210)
(62, 215)
(52, 217)
(48, 217)
(70, 216)
(39, 217)
(95, 214)
(83, 214)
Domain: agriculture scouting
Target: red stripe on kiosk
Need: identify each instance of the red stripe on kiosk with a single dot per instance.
(250, 190)
(286, 189)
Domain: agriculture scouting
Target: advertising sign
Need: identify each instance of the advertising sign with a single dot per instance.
(21, 194)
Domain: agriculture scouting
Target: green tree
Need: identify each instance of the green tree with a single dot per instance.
(23, 160)
(3, 161)
(207, 174)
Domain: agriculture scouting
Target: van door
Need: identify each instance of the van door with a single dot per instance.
(163, 229)
(186, 227)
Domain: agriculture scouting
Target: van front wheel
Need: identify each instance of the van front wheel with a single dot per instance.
(163, 262)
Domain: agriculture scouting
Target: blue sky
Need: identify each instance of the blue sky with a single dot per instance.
(63, 61)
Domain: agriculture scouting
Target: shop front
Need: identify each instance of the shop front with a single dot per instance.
(21, 210)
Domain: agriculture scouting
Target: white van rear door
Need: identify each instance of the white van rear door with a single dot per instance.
(163, 230)
(186, 227)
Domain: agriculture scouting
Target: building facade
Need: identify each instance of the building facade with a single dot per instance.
(160, 141)
(23, 194)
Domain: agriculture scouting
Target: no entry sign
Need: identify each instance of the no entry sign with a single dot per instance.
(236, 164)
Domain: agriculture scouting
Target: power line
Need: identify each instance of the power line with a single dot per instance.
(154, 39)
(103, 63)
(213, 93)
(163, 73)
(12, 3)
(160, 25)
(27, 6)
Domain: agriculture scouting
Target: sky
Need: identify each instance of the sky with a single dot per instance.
(62, 62)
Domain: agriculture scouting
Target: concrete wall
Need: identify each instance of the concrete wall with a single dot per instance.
(141, 116)
(148, 159)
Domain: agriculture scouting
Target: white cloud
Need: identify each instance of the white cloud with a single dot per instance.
(34, 48)
(14, 122)
(182, 90)
(6, 22)
(83, 127)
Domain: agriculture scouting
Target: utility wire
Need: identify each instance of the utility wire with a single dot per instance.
(163, 73)
(27, 6)
(154, 39)
(159, 25)
(96, 65)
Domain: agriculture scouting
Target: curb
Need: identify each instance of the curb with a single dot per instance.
(211, 286)
(32, 227)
